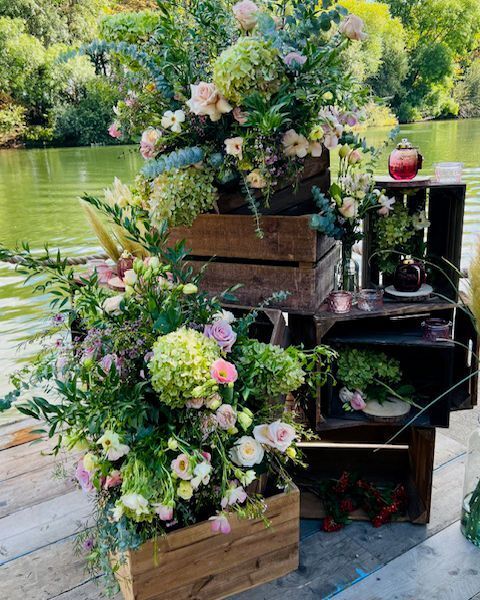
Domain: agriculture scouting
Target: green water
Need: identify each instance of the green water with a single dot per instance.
(38, 202)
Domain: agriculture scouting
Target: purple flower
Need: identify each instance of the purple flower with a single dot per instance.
(222, 333)
(107, 361)
(59, 343)
(58, 319)
(148, 356)
(88, 544)
(83, 477)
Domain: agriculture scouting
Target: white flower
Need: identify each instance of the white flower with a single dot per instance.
(136, 503)
(112, 305)
(247, 452)
(117, 512)
(201, 474)
(420, 221)
(130, 277)
(247, 477)
(234, 146)
(295, 144)
(119, 194)
(386, 204)
(256, 180)
(173, 120)
(110, 442)
(224, 315)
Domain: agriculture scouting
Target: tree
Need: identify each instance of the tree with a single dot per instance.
(467, 91)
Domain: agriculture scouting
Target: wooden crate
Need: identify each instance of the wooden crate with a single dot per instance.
(407, 460)
(445, 207)
(290, 257)
(195, 563)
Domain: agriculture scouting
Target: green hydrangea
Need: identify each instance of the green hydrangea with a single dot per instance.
(180, 366)
(267, 371)
(180, 195)
(248, 66)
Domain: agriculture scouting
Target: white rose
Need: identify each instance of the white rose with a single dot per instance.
(112, 305)
(135, 502)
(247, 452)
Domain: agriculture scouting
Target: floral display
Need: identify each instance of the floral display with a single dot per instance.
(173, 406)
(256, 90)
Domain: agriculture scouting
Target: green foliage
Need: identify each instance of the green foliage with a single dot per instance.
(12, 122)
(130, 27)
(467, 91)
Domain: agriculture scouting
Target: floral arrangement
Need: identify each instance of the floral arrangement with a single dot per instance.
(239, 94)
(370, 375)
(172, 403)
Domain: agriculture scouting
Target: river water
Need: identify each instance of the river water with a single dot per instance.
(39, 192)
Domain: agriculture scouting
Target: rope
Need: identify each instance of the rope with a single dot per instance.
(18, 260)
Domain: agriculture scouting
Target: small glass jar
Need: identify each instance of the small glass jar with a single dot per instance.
(470, 520)
(436, 330)
(340, 302)
(448, 172)
(370, 300)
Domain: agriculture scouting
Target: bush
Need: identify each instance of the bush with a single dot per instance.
(12, 123)
(129, 27)
(467, 92)
(87, 121)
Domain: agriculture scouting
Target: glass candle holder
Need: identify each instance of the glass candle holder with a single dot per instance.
(370, 300)
(435, 330)
(340, 302)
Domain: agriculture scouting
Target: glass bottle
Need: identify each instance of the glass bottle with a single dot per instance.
(470, 521)
(404, 161)
(347, 272)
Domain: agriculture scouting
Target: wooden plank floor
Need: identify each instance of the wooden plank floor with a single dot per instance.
(40, 515)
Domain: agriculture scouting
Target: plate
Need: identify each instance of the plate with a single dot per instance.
(424, 291)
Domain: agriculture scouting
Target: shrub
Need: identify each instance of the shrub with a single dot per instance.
(12, 123)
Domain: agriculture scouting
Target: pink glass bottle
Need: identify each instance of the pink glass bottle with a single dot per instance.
(405, 161)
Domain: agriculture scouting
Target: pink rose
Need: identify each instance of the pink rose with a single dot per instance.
(83, 477)
(220, 524)
(113, 480)
(114, 130)
(294, 57)
(207, 100)
(222, 333)
(349, 208)
(352, 28)
(246, 14)
(356, 401)
(164, 512)
(196, 403)
(181, 467)
(148, 142)
(277, 435)
(226, 417)
(223, 371)
(239, 115)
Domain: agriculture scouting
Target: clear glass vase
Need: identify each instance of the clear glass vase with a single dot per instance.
(347, 271)
(470, 521)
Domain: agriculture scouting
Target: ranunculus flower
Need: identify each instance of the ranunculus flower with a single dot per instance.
(112, 305)
(247, 452)
(293, 59)
(234, 146)
(83, 476)
(135, 502)
(352, 28)
(164, 511)
(181, 467)
(114, 130)
(222, 333)
(196, 403)
(223, 371)
(112, 480)
(239, 115)
(277, 435)
(246, 14)
(226, 416)
(349, 208)
(149, 141)
(295, 144)
(256, 180)
(173, 120)
(113, 448)
(220, 524)
(185, 490)
(354, 157)
(356, 401)
(207, 100)
(235, 495)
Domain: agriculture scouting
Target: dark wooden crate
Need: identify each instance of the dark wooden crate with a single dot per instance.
(408, 460)
(445, 207)
(290, 257)
(396, 329)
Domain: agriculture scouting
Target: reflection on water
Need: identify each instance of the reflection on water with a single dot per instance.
(38, 202)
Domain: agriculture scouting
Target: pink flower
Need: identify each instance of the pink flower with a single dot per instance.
(226, 417)
(349, 208)
(83, 477)
(104, 271)
(196, 403)
(181, 467)
(239, 115)
(207, 100)
(294, 59)
(164, 511)
(220, 524)
(114, 130)
(277, 435)
(223, 371)
(246, 14)
(107, 361)
(222, 333)
(354, 157)
(352, 28)
(148, 142)
(113, 480)
(356, 401)
(206, 455)
(235, 495)
(330, 141)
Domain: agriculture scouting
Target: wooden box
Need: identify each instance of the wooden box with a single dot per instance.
(195, 563)
(291, 257)
(361, 450)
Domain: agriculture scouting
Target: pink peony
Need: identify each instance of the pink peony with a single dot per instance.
(207, 100)
(181, 467)
(226, 416)
(294, 59)
(114, 130)
(222, 333)
(246, 14)
(223, 371)
(113, 480)
(164, 511)
(277, 435)
(356, 401)
(83, 477)
(352, 28)
(220, 524)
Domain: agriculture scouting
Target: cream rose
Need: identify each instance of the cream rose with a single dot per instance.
(246, 14)
(352, 28)
(207, 100)
(349, 208)
(247, 452)
(277, 435)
